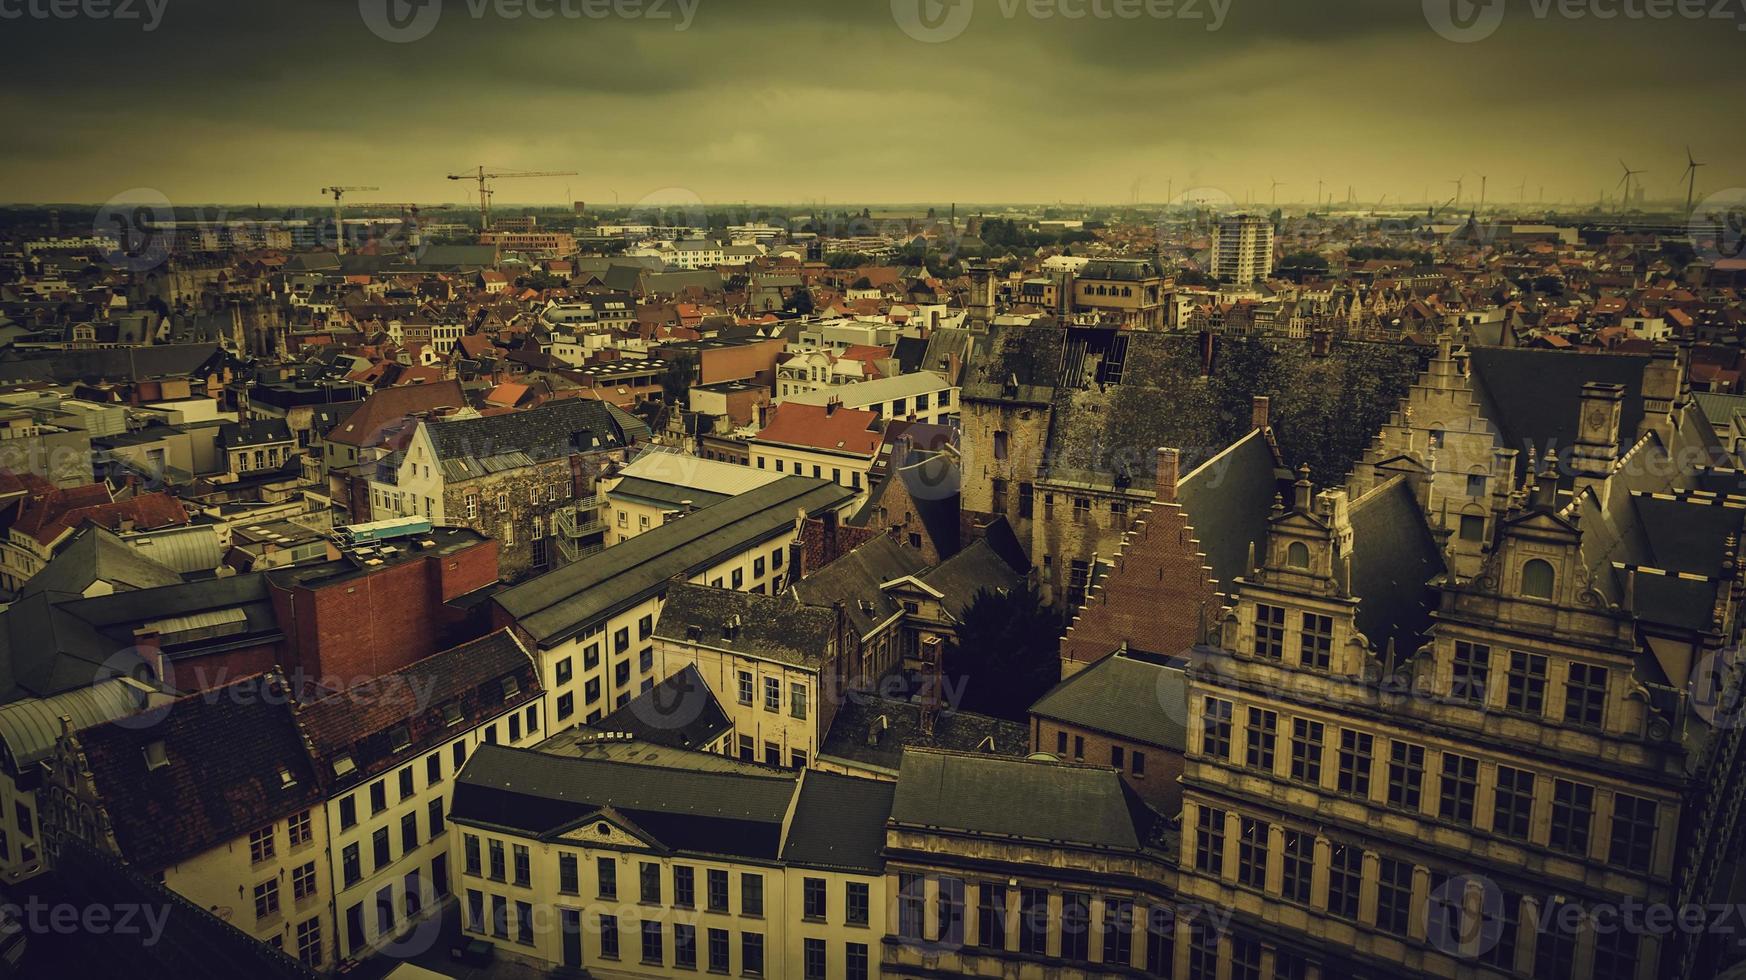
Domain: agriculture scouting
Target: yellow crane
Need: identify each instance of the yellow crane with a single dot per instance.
(484, 177)
(339, 228)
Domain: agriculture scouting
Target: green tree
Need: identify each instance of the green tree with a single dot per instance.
(680, 375)
(1007, 653)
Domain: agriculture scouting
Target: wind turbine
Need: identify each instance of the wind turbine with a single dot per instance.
(1459, 182)
(1691, 169)
(1625, 182)
(1277, 184)
(1522, 192)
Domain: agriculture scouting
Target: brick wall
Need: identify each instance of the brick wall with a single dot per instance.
(1158, 786)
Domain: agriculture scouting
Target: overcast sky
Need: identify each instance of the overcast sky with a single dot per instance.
(802, 100)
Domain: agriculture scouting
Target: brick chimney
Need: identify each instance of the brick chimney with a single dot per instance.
(831, 405)
(1259, 409)
(1597, 440)
(1169, 471)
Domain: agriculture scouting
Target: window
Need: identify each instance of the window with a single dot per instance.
(999, 445)
(378, 797)
(606, 873)
(1299, 866)
(303, 881)
(1515, 803)
(1316, 645)
(1297, 555)
(1345, 878)
(1633, 844)
(649, 883)
(267, 898)
(718, 890)
(472, 847)
(813, 898)
(684, 946)
(772, 694)
(1026, 500)
(856, 903)
(1472, 669)
(566, 706)
(1306, 751)
(1585, 695)
(348, 812)
(621, 640)
(1203, 950)
(950, 910)
(1555, 948)
(1615, 954)
(1116, 757)
(1472, 527)
(1356, 755)
(991, 916)
(1160, 943)
(1538, 579)
(718, 950)
(911, 899)
(565, 671)
(382, 852)
(522, 874)
(1269, 632)
(591, 690)
(813, 959)
(609, 937)
(1209, 841)
(797, 700)
(1081, 509)
(1137, 763)
(406, 787)
(409, 832)
(298, 829)
(1034, 921)
(752, 954)
(309, 941)
(1245, 958)
(1118, 931)
(1476, 485)
(855, 961)
(1527, 683)
(621, 673)
(1394, 896)
(1406, 775)
(433, 769)
(591, 656)
(739, 577)
(654, 953)
(569, 876)
(1460, 782)
(260, 845)
(1075, 926)
(1252, 852)
(745, 687)
(1217, 728)
(460, 754)
(1572, 816)
(475, 912)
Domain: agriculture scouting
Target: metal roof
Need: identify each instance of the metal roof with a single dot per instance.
(29, 728)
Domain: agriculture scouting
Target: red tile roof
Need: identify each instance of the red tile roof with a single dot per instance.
(48, 517)
(820, 427)
(389, 409)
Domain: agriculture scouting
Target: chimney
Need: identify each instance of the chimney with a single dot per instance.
(1169, 470)
(1597, 440)
(831, 405)
(1259, 409)
(1663, 385)
(1305, 490)
(1321, 343)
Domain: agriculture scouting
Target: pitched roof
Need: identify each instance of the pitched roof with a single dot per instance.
(236, 762)
(1394, 558)
(769, 627)
(855, 579)
(469, 448)
(1136, 696)
(95, 555)
(47, 518)
(842, 430)
(998, 796)
(388, 409)
(561, 603)
(839, 822)
(680, 712)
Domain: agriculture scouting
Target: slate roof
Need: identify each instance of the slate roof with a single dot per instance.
(470, 448)
(668, 496)
(854, 579)
(226, 748)
(770, 627)
(111, 363)
(839, 823)
(961, 577)
(387, 409)
(253, 432)
(1534, 397)
(700, 812)
(858, 735)
(1394, 558)
(359, 723)
(94, 555)
(1228, 500)
(679, 712)
(1018, 798)
(561, 603)
(1135, 696)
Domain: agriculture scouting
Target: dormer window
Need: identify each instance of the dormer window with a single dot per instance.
(452, 714)
(399, 737)
(510, 688)
(1538, 579)
(344, 765)
(156, 756)
(1298, 555)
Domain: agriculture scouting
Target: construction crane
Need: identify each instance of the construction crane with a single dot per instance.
(339, 228)
(484, 177)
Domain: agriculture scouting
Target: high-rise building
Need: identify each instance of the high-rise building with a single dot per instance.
(1242, 249)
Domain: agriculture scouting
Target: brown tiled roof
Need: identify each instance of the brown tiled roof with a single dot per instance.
(47, 517)
(847, 430)
(361, 722)
(386, 410)
(229, 753)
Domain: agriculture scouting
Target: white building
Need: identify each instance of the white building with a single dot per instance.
(1242, 250)
(924, 395)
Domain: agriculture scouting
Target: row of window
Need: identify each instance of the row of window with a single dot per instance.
(1572, 803)
(780, 466)
(412, 904)
(1526, 677)
(773, 694)
(1119, 758)
(1444, 912)
(263, 842)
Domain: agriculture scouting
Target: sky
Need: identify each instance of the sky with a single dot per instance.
(866, 101)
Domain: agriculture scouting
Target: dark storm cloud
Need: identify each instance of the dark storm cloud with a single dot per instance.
(786, 100)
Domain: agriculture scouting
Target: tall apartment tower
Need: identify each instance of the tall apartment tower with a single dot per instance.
(1243, 249)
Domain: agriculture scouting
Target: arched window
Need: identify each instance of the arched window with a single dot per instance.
(1437, 437)
(1297, 556)
(1537, 579)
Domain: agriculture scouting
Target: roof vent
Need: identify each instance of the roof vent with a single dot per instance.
(156, 756)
